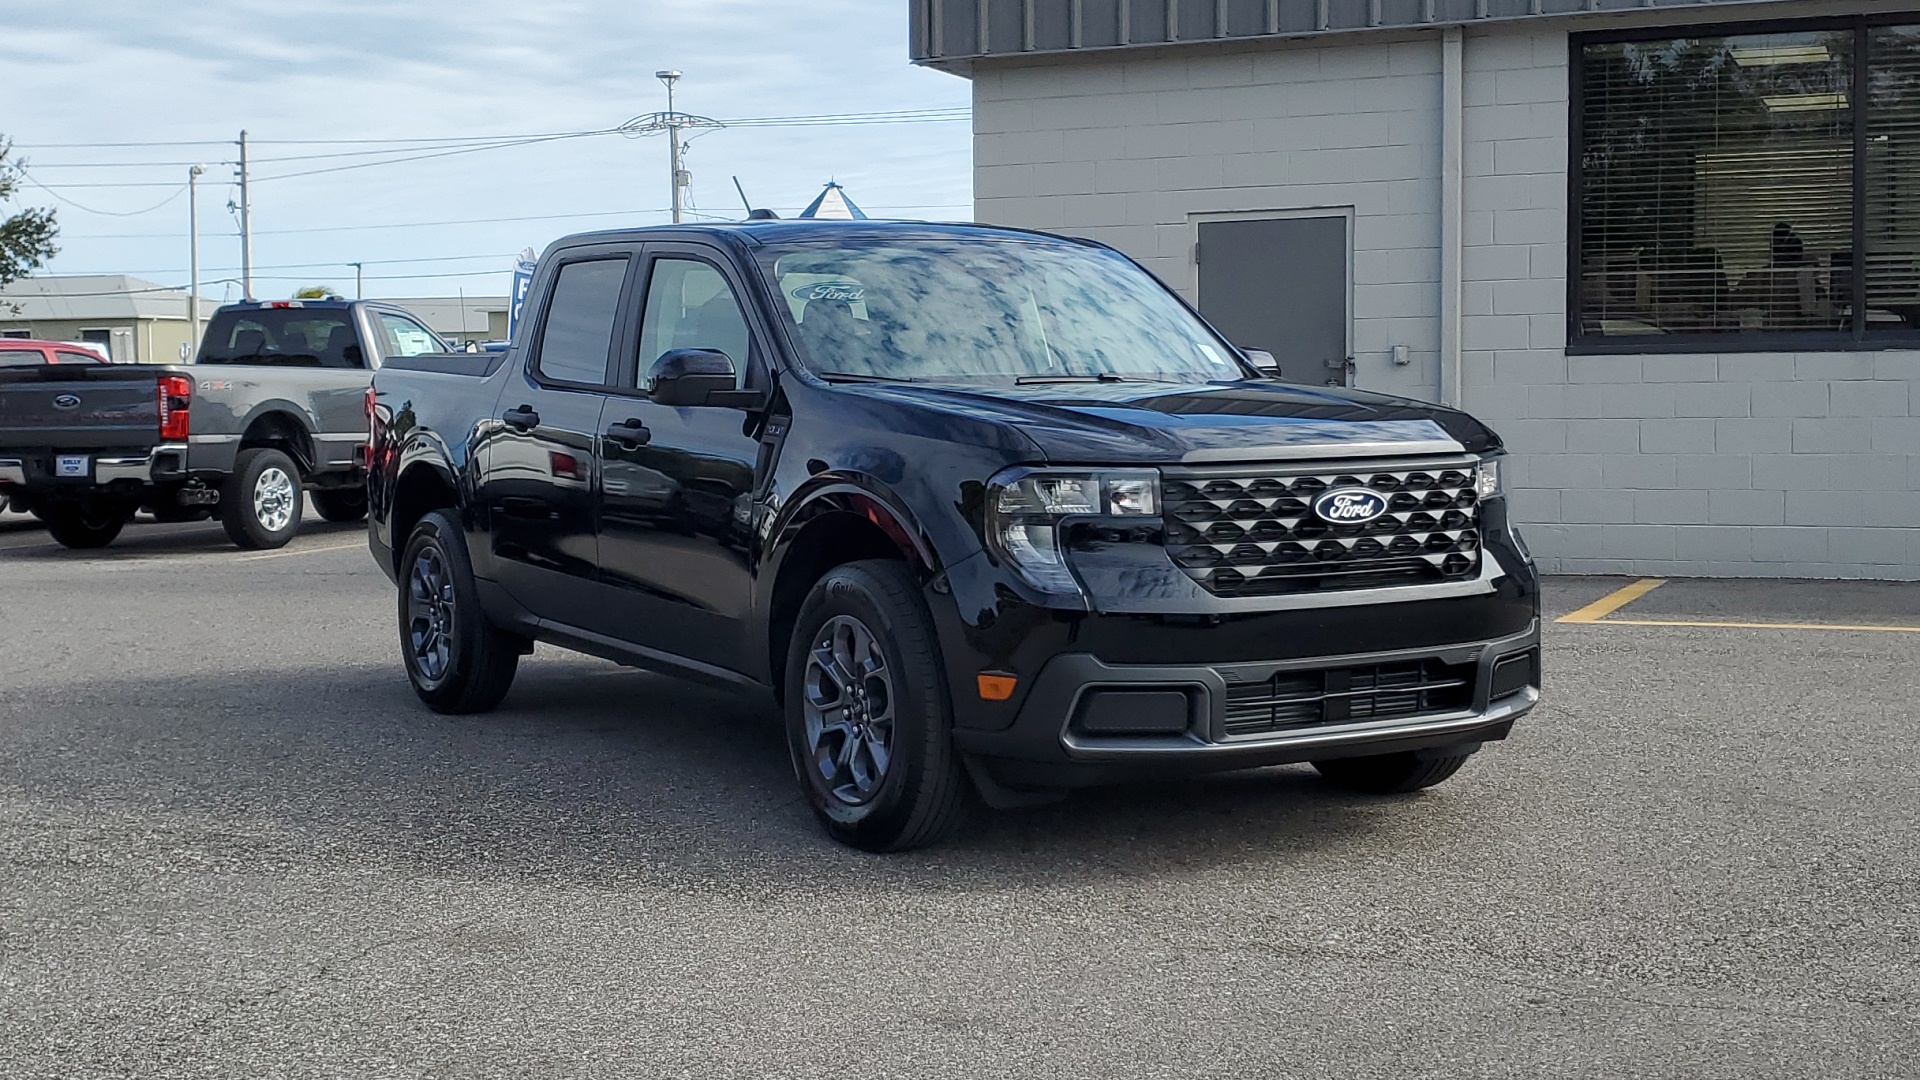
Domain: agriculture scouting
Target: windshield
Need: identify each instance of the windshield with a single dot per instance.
(980, 310)
(290, 337)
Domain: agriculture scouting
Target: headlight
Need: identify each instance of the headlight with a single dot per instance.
(1026, 506)
(1486, 479)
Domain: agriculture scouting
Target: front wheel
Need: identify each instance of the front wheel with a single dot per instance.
(260, 503)
(869, 723)
(457, 661)
(1390, 774)
(85, 525)
(341, 505)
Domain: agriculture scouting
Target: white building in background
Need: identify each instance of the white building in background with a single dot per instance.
(1670, 249)
(131, 320)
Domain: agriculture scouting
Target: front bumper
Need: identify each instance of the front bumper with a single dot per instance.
(1072, 728)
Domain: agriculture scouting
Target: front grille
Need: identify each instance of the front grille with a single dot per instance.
(1303, 699)
(1258, 535)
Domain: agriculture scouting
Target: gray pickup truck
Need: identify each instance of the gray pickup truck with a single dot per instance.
(273, 405)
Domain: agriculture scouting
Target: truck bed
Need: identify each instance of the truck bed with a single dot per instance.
(81, 406)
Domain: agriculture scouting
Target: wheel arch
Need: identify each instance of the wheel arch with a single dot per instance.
(282, 426)
(423, 487)
(839, 523)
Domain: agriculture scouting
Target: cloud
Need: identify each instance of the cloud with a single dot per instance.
(135, 71)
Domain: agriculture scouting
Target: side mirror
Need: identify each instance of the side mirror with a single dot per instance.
(1264, 360)
(698, 377)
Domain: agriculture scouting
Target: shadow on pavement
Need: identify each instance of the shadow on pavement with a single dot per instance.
(587, 772)
(144, 537)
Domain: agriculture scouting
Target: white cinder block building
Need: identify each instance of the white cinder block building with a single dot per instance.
(1670, 249)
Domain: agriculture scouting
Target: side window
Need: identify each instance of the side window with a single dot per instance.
(79, 358)
(578, 336)
(691, 306)
(404, 337)
(22, 358)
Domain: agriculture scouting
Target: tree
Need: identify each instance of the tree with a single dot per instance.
(26, 238)
(315, 292)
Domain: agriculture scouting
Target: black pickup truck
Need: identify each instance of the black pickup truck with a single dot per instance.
(275, 403)
(988, 511)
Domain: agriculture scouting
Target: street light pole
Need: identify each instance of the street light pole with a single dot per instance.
(359, 281)
(193, 256)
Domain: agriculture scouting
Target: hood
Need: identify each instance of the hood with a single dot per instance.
(1215, 423)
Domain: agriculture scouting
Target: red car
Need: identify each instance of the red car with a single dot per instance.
(26, 352)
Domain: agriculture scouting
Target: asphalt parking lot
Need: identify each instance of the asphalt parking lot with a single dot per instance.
(231, 844)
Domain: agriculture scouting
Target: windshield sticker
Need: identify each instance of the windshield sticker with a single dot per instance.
(849, 291)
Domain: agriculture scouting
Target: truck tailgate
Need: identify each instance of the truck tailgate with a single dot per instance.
(75, 406)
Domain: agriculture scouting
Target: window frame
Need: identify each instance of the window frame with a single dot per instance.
(537, 341)
(1855, 339)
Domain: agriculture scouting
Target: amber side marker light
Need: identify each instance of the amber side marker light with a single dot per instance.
(996, 687)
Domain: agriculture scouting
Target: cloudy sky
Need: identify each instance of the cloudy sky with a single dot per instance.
(313, 85)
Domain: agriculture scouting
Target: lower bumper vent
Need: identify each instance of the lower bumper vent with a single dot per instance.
(1302, 699)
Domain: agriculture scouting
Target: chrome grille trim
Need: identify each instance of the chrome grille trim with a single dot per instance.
(1243, 533)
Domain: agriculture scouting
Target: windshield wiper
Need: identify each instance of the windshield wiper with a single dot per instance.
(854, 376)
(1103, 377)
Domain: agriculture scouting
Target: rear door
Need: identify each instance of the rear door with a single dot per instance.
(539, 481)
(1280, 284)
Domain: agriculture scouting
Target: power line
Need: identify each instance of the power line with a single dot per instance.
(178, 191)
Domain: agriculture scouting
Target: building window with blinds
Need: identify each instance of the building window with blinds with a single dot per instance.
(1733, 191)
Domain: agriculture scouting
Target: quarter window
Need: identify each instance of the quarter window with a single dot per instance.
(1722, 199)
(577, 340)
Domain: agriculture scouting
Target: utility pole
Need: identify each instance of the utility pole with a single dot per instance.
(193, 256)
(359, 281)
(672, 122)
(246, 225)
(679, 174)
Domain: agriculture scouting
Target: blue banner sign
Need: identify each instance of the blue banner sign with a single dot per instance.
(522, 282)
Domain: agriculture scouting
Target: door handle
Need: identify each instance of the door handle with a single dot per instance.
(521, 419)
(629, 434)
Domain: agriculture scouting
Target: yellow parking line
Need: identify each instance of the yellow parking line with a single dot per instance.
(1757, 625)
(302, 551)
(1613, 601)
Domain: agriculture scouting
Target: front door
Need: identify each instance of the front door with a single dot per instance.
(1280, 284)
(542, 441)
(676, 509)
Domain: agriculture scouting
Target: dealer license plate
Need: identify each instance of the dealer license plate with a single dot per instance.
(70, 465)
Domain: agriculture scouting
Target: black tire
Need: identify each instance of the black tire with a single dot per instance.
(457, 661)
(85, 526)
(1389, 774)
(341, 505)
(919, 792)
(255, 505)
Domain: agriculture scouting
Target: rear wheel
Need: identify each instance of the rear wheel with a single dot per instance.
(1388, 774)
(341, 504)
(457, 661)
(260, 503)
(85, 525)
(869, 723)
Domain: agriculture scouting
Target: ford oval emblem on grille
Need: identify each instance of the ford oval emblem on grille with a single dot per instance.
(66, 401)
(1350, 506)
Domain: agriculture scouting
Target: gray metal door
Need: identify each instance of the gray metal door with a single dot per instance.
(1280, 284)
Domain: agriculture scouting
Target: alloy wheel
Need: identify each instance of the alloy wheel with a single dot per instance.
(430, 607)
(848, 708)
(273, 495)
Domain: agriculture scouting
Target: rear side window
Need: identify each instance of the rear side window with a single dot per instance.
(22, 358)
(283, 337)
(68, 356)
(577, 340)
